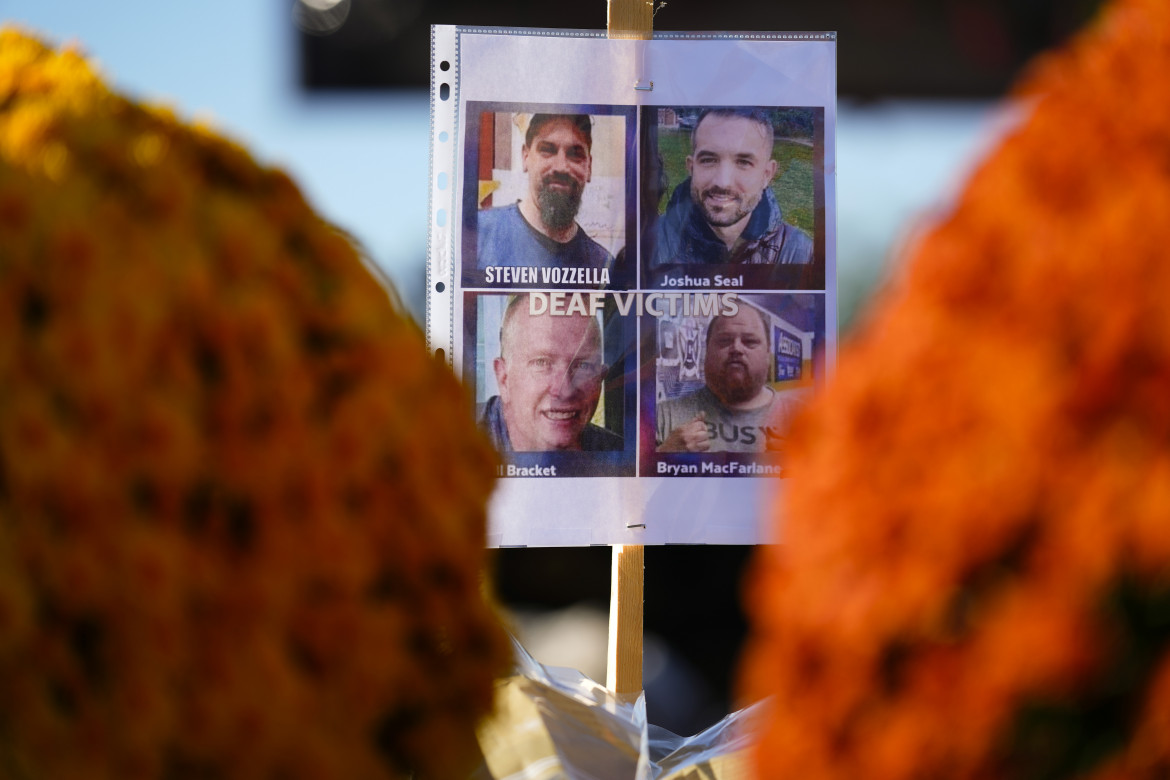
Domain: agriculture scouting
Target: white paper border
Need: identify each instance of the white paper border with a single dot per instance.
(585, 67)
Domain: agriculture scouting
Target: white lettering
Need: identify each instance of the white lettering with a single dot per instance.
(742, 469)
(495, 274)
(531, 471)
(597, 277)
(687, 281)
(730, 304)
(657, 304)
(596, 301)
(677, 468)
(652, 299)
(577, 304)
(557, 304)
(673, 299)
(705, 304)
(623, 305)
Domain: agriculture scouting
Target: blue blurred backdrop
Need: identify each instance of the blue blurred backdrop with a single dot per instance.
(361, 154)
(334, 92)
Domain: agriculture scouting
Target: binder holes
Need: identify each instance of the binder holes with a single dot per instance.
(442, 181)
(439, 287)
(443, 137)
(444, 91)
(444, 65)
(441, 218)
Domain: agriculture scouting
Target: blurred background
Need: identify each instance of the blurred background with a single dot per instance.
(335, 92)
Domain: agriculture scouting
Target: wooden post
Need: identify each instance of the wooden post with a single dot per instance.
(627, 19)
(627, 581)
(630, 18)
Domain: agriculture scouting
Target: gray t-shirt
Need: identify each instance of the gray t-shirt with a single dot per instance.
(506, 239)
(751, 430)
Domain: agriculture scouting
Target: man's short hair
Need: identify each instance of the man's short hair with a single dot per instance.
(514, 302)
(752, 114)
(759, 313)
(581, 122)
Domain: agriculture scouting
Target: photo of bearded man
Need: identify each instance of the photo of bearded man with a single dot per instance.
(541, 226)
(758, 367)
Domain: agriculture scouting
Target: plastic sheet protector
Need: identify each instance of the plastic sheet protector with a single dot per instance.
(632, 267)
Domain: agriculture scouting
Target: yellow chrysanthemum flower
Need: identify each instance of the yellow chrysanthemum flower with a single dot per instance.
(241, 508)
(975, 574)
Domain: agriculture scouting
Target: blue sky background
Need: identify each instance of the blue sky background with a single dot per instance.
(362, 158)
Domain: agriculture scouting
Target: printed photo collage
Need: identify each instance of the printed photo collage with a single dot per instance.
(643, 288)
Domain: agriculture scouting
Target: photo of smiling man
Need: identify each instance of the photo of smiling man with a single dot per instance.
(541, 228)
(553, 379)
(549, 373)
(548, 199)
(738, 191)
(734, 396)
(727, 386)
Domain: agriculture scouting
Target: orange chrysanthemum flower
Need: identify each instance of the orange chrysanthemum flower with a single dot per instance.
(975, 575)
(241, 508)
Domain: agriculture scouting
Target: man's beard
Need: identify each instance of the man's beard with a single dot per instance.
(737, 387)
(558, 209)
(742, 207)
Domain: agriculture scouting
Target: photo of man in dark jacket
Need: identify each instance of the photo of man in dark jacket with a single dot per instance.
(725, 213)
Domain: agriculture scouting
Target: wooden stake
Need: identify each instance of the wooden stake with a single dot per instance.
(627, 19)
(630, 18)
(627, 582)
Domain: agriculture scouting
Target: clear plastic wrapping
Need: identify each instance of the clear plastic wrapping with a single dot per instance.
(557, 723)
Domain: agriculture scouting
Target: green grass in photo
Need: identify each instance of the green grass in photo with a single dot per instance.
(793, 183)
(673, 146)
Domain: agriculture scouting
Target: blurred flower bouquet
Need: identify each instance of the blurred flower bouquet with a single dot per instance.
(975, 575)
(241, 508)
